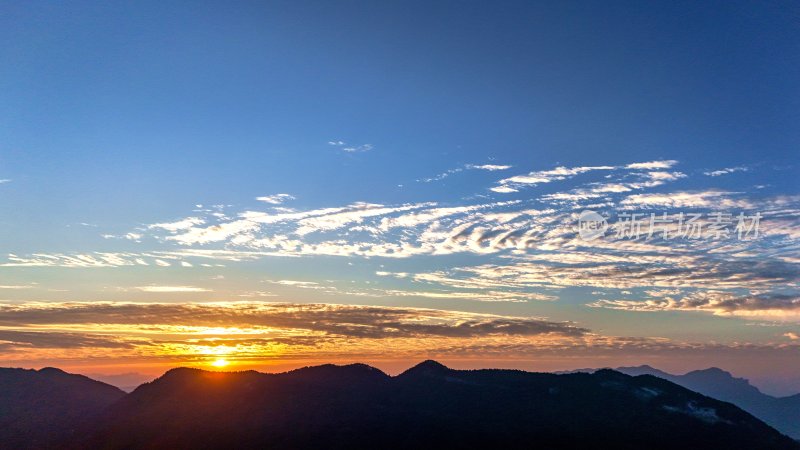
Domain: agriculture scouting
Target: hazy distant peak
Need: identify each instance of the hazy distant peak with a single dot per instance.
(714, 371)
(643, 370)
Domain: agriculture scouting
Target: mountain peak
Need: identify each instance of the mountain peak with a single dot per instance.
(427, 367)
(181, 371)
(51, 371)
(178, 375)
(643, 370)
(712, 371)
(432, 363)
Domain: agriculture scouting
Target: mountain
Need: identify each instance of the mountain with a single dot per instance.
(359, 407)
(428, 406)
(42, 408)
(782, 413)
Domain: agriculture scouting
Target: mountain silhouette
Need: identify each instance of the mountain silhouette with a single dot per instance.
(783, 413)
(428, 406)
(43, 408)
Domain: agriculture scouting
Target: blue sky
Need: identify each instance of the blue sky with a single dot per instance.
(463, 136)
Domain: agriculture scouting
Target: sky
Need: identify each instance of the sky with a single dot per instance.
(266, 185)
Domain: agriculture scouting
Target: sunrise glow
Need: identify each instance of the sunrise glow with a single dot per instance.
(220, 362)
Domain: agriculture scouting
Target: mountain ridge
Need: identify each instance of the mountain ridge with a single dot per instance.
(358, 406)
(783, 413)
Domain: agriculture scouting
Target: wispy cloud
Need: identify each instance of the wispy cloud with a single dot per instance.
(665, 176)
(652, 165)
(258, 331)
(503, 189)
(725, 171)
(276, 199)
(603, 190)
(697, 199)
(183, 224)
(513, 184)
(293, 283)
(656, 175)
(465, 167)
(355, 213)
(345, 147)
(521, 250)
(768, 306)
(167, 289)
(489, 167)
(344, 320)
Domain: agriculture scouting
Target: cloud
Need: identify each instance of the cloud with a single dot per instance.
(652, 165)
(131, 236)
(258, 294)
(166, 289)
(121, 259)
(766, 306)
(502, 228)
(503, 189)
(183, 224)
(665, 176)
(699, 199)
(625, 272)
(5, 180)
(474, 295)
(534, 246)
(351, 148)
(725, 171)
(276, 199)
(605, 190)
(443, 175)
(543, 176)
(10, 339)
(358, 148)
(261, 333)
(96, 259)
(249, 222)
(478, 296)
(383, 273)
(792, 336)
(426, 216)
(343, 320)
(489, 167)
(356, 213)
(293, 283)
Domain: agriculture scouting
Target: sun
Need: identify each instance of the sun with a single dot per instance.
(220, 362)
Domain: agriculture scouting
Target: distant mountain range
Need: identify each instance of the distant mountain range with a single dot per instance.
(360, 407)
(782, 413)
